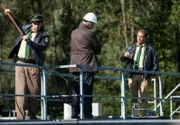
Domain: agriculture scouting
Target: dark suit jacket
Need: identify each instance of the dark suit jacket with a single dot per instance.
(84, 47)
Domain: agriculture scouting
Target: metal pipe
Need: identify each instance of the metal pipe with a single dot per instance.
(123, 97)
(160, 96)
(43, 95)
(81, 93)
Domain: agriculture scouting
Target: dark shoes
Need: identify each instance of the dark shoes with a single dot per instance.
(75, 117)
(85, 117)
(88, 116)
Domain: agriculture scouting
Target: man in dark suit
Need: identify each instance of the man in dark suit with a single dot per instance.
(84, 47)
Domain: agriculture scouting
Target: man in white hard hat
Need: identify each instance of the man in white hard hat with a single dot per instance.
(84, 47)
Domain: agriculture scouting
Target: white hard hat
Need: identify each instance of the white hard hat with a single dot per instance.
(91, 17)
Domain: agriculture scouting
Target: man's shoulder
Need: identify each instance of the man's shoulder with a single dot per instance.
(149, 46)
(83, 30)
(44, 33)
(132, 45)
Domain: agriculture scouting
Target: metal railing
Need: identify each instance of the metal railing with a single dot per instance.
(122, 80)
(177, 109)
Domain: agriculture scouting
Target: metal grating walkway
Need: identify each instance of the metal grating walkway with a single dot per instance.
(130, 121)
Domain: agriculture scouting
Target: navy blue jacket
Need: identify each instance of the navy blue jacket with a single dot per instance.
(38, 45)
(150, 63)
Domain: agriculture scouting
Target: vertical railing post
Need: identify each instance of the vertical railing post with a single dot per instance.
(123, 97)
(171, 108)
(160, 95)
(81, 93)
(155, 94)
(43, 95)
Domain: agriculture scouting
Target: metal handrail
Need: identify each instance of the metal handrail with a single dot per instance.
(172, 91)
(171, 106)
(81, 68)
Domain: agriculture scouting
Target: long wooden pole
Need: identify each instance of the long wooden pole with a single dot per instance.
(12, 19)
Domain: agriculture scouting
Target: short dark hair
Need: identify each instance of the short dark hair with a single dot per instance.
(144, 31)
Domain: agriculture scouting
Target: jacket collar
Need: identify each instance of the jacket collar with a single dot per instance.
(82, 25)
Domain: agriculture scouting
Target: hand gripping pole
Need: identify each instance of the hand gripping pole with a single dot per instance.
(12, 19)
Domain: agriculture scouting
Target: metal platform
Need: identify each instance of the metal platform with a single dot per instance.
(137, 121)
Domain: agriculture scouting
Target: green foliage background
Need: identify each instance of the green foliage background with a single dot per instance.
(115, 30)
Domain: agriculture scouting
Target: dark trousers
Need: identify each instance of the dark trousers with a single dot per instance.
(88, 78)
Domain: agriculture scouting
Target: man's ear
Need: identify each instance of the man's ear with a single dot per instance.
(89, 25)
